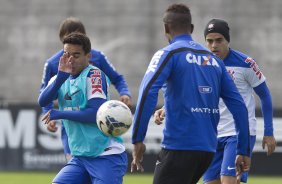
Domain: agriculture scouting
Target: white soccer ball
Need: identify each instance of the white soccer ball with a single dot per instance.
(114, 118)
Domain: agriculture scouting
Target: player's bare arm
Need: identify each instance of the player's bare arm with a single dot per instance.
(46, 117)
(65, 63)
(126, 99)
(52, 126)
(243, 164)
(270, 143)
(159, 116)
(137, 155)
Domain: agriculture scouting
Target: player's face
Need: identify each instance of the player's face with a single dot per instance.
(217, 44)
(79, 59)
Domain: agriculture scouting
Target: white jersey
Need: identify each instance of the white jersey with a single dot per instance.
(246, 75)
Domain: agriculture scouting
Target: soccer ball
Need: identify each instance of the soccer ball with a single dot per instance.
(114, 118)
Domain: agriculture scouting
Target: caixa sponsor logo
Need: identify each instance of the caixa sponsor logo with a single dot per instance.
(205, 89)
(201, 60)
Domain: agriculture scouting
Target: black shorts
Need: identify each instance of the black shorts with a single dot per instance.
(181, 166)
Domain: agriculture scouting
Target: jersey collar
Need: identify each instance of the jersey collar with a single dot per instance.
(181, 37)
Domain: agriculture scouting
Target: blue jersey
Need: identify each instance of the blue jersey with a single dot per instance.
(98, 59)
(195, 80)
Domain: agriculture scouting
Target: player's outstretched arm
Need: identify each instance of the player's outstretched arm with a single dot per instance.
(116, 79)
(139, 149)
(87, 115)
(266, 106)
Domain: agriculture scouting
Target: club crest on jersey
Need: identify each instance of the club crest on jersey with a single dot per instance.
(231, 73)
(254, 66)
(96, 82)
(201, 60)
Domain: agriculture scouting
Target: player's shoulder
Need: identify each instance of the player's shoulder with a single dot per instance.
(55, 58)
(97, 56)
(94, 71)
(97, 53)
(238, 59)
(189, 45)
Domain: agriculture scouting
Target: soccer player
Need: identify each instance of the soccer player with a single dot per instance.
(81, 89)
(248, 78)
(97, 59)
(195, 80)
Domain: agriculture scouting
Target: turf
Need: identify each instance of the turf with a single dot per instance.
(42, 178)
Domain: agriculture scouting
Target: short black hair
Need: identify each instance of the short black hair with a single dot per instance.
(70, 25)
(178, 16)
(78, 39)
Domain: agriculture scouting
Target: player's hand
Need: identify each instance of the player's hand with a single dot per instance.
(46, 117)
(125, 99)
(65, 63)
(159, 116)
(270, 142)
(243, 164)
(137, 155)
(51, 126)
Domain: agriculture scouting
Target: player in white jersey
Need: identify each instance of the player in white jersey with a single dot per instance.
(248, 78)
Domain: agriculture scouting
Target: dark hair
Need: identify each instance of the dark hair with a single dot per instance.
(178, 16)
(78, 39)
(70, 25)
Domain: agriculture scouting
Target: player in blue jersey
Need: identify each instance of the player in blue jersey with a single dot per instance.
(195, 80)
(248, 78)
(81, 89)
(97, 59)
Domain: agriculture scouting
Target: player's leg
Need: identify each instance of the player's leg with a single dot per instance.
(107, 169)
(244, 176)
(65, 143)
(228, 168)
(72, 173)
(181, 167)
(212, 174)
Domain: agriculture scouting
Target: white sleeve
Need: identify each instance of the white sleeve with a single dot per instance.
(253, 75)
(96, 85)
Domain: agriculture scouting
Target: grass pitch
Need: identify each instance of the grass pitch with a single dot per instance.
(46, 178)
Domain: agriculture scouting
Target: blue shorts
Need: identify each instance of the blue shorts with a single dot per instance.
(106, 169)
(223, 163)
(65, 142)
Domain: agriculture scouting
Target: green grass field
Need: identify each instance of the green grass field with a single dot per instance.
(46, 178)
